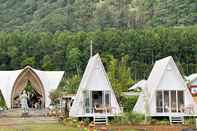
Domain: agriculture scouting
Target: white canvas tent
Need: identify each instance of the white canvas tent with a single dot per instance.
(192, 85)
(192, 79)
(9, 80)
(141, 84)
(94, 86)
(165, 92)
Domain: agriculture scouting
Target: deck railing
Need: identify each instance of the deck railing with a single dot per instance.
(101, 110)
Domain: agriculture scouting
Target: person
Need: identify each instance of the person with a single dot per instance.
(23, 101)
(36, 105)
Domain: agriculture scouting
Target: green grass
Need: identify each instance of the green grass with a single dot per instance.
(39, 127)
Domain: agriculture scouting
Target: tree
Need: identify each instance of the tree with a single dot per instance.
(84, 14)
(73, 57)
(2, 100)
(71, 84)
(28, 61)
(119, 75)
(48, 64)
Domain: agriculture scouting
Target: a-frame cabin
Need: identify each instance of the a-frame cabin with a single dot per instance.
(95, 95)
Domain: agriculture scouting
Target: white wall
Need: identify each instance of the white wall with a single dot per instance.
(170, 81)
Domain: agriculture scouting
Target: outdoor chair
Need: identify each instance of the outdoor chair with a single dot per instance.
(189, 109)
(108, 109)
(99, 108)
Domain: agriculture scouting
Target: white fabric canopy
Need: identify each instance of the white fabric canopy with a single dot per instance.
(141, 84)
(49, 79)
(191, 77)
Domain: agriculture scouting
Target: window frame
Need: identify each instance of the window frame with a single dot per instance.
(177, 102)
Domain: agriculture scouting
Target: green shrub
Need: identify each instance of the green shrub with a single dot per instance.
(129, 118)
(190, 121)
(160, 120)
(86, 121)
(71, 122)
(128, 102)
(2, 102)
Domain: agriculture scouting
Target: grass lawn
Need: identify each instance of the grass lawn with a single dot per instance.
(44, 127)
(39, 127)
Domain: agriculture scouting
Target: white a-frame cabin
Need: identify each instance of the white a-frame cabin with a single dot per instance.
(95, 95)
(165, 92)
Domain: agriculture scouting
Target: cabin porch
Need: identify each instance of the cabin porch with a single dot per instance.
(97, 103)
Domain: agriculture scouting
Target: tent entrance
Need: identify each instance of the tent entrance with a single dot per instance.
(34, 98)
(97, 101)
(27, 78)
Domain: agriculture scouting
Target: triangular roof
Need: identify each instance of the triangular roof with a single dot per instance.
(95, 79)
(157, 76)
(159, 69)
(94, 75)
(49, 79)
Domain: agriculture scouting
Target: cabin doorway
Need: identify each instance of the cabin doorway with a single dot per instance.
(97, 101)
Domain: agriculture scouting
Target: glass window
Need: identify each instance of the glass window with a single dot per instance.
(107, 98)
(159, 102)
(173, 101)
(87, 101)
(166, 101)
(180, 101)
(163, 102)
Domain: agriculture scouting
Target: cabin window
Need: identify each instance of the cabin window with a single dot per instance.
(166, 101)
(180, 101)
(173, 101)
(159, 103)
(169, 101)
(107, 98)
(87, 101)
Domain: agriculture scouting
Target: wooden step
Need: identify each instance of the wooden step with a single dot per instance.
(100, 120)
(176, 119)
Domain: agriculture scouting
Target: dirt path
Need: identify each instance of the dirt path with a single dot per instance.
(20, 122)
(12, 122)
(151, 127)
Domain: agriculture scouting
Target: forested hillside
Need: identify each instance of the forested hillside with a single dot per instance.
(130, 35)
(70, 51)
(88, 15)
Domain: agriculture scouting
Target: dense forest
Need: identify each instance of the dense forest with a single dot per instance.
(130, 36)
(88, 15)
(133, 50)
